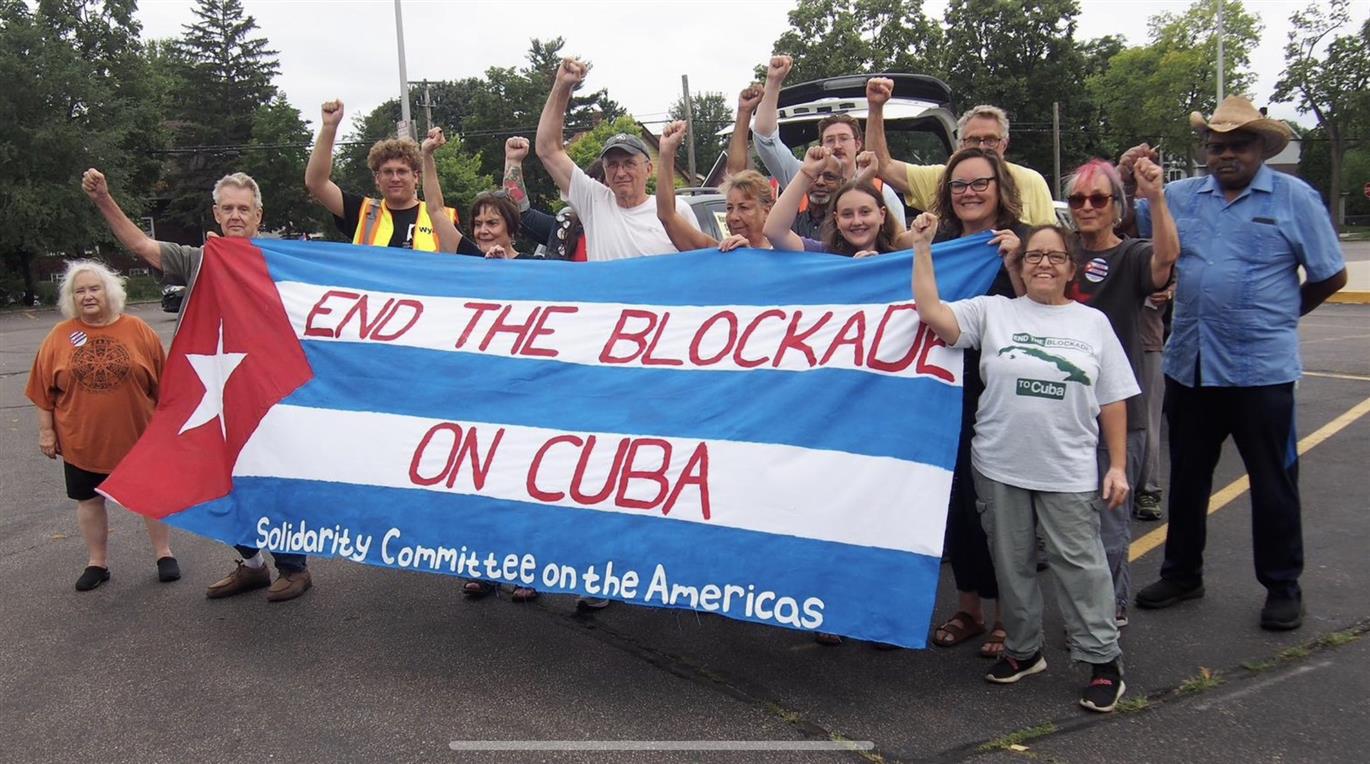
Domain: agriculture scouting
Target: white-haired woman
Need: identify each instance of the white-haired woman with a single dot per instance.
(95, 382)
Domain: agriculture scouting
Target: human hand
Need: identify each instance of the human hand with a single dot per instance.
(332, 113)
(671, 137)
(94, 184)
(1007, 241)
(434, 141)
(47, 443)
(815, 161)
(779, 68)
(923, 228)
(1130, 157)
(1150, 179)
(500, 253)
(866, 165)
(866, 253)
(749, 99)
(879, 90)
(572, 72)
(734, 241)
(1115, 488)
(515, 149)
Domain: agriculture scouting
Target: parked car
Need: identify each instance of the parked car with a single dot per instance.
(172, 296)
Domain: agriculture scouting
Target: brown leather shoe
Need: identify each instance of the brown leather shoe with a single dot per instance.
(288, 586)
(242, 579)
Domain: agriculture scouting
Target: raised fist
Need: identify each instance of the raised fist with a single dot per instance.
(671, 138)
(923, 228)
(779, 68)
(749, 98)
(1130, 157)
(515, 149)
(865, 165)
(93, 183)
(1150, 178)
(434, 141)
(879, 90)
(332, 113)
(572, 72)
(815, 161)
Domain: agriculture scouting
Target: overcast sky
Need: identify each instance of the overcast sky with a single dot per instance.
(640, 48)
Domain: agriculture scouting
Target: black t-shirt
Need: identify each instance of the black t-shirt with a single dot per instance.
(402, 237)
(1117, 282)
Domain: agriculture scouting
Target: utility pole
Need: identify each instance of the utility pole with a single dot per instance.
(427, 104)
(405, 129)
(1220, 51)
(689, 129)
(1056, 145)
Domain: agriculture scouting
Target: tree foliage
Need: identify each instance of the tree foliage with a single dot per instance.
(77, 97)
(828, 38)
(1147, 92)
(711, 113)
(1329, 76)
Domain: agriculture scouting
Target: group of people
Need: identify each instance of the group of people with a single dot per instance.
(1064, 373)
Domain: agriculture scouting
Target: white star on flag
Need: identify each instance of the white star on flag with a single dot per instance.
(214, 371)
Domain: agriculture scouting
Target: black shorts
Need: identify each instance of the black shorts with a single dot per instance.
(81, 484)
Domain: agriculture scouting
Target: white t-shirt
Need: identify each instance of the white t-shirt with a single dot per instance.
(1047, 370)
(613, 232)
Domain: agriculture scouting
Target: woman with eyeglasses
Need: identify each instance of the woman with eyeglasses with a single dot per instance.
(1116, 276)
(977, 195)
(1055, 380)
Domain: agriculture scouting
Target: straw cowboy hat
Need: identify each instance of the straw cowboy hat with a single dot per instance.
(1237, 113)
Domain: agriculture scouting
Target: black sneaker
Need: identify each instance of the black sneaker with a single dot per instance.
(168, 570)
(1104, 689)
(1008, 670)
(91, 577)
(1282, 613)
(1165, 593)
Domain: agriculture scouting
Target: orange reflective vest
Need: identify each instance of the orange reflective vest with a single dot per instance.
(375, 226)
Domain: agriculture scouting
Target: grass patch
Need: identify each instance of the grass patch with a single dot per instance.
(1019, 737)
(1256, 667)
(1133, 705)
(1338, 638)
(1298, 652)
(1206, 679)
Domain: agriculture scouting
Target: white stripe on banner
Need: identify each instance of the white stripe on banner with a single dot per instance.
(883, 338)
(876, 501)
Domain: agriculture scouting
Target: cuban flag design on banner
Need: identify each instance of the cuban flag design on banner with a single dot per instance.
(768, 436)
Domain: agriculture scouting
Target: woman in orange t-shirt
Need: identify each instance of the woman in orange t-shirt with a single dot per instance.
(94, 382)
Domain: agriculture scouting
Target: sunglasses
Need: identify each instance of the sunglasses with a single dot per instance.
(1216, 148)
(1097, 201)
(979, 184)
(1055, 256)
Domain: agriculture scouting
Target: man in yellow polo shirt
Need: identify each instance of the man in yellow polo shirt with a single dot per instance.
(397, 219)
(984, 127)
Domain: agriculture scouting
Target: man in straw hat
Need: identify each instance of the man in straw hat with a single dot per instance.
(1233, 355)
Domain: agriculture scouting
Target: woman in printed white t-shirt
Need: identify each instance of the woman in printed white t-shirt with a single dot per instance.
(1055, 376)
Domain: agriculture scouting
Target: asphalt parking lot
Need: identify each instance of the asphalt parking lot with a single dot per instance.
(385, 665)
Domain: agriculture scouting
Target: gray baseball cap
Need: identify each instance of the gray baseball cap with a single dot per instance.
(628, 143)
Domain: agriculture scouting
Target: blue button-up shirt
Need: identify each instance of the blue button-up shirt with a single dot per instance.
(1237, 299)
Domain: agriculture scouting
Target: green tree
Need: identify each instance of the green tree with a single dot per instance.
(224, 76)
(1146, 93)
(275, 157)
(459, 171)
(1329, 76)
(1022, 56)
(77, 98)
(712, 113)
(829, 38)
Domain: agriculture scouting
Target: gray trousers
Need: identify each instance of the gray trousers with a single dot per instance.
(1153, 393)
(1069, 524)
(1116, 524)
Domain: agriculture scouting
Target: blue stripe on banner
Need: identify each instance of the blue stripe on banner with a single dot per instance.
(965, 268)
(896, 606)
(916, 419)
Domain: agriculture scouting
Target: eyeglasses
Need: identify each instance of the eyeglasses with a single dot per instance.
(978, 184)
(1097, 201)
(1216, 148)
(1054, 256)
(981, 143)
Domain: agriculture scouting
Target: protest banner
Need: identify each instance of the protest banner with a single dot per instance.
(768, 436)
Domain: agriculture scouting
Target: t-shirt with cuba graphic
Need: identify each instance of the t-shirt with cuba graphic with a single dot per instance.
(1047, 370)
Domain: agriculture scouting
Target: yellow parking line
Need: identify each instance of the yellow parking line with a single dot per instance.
(1330, 375)
(1239, 486)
